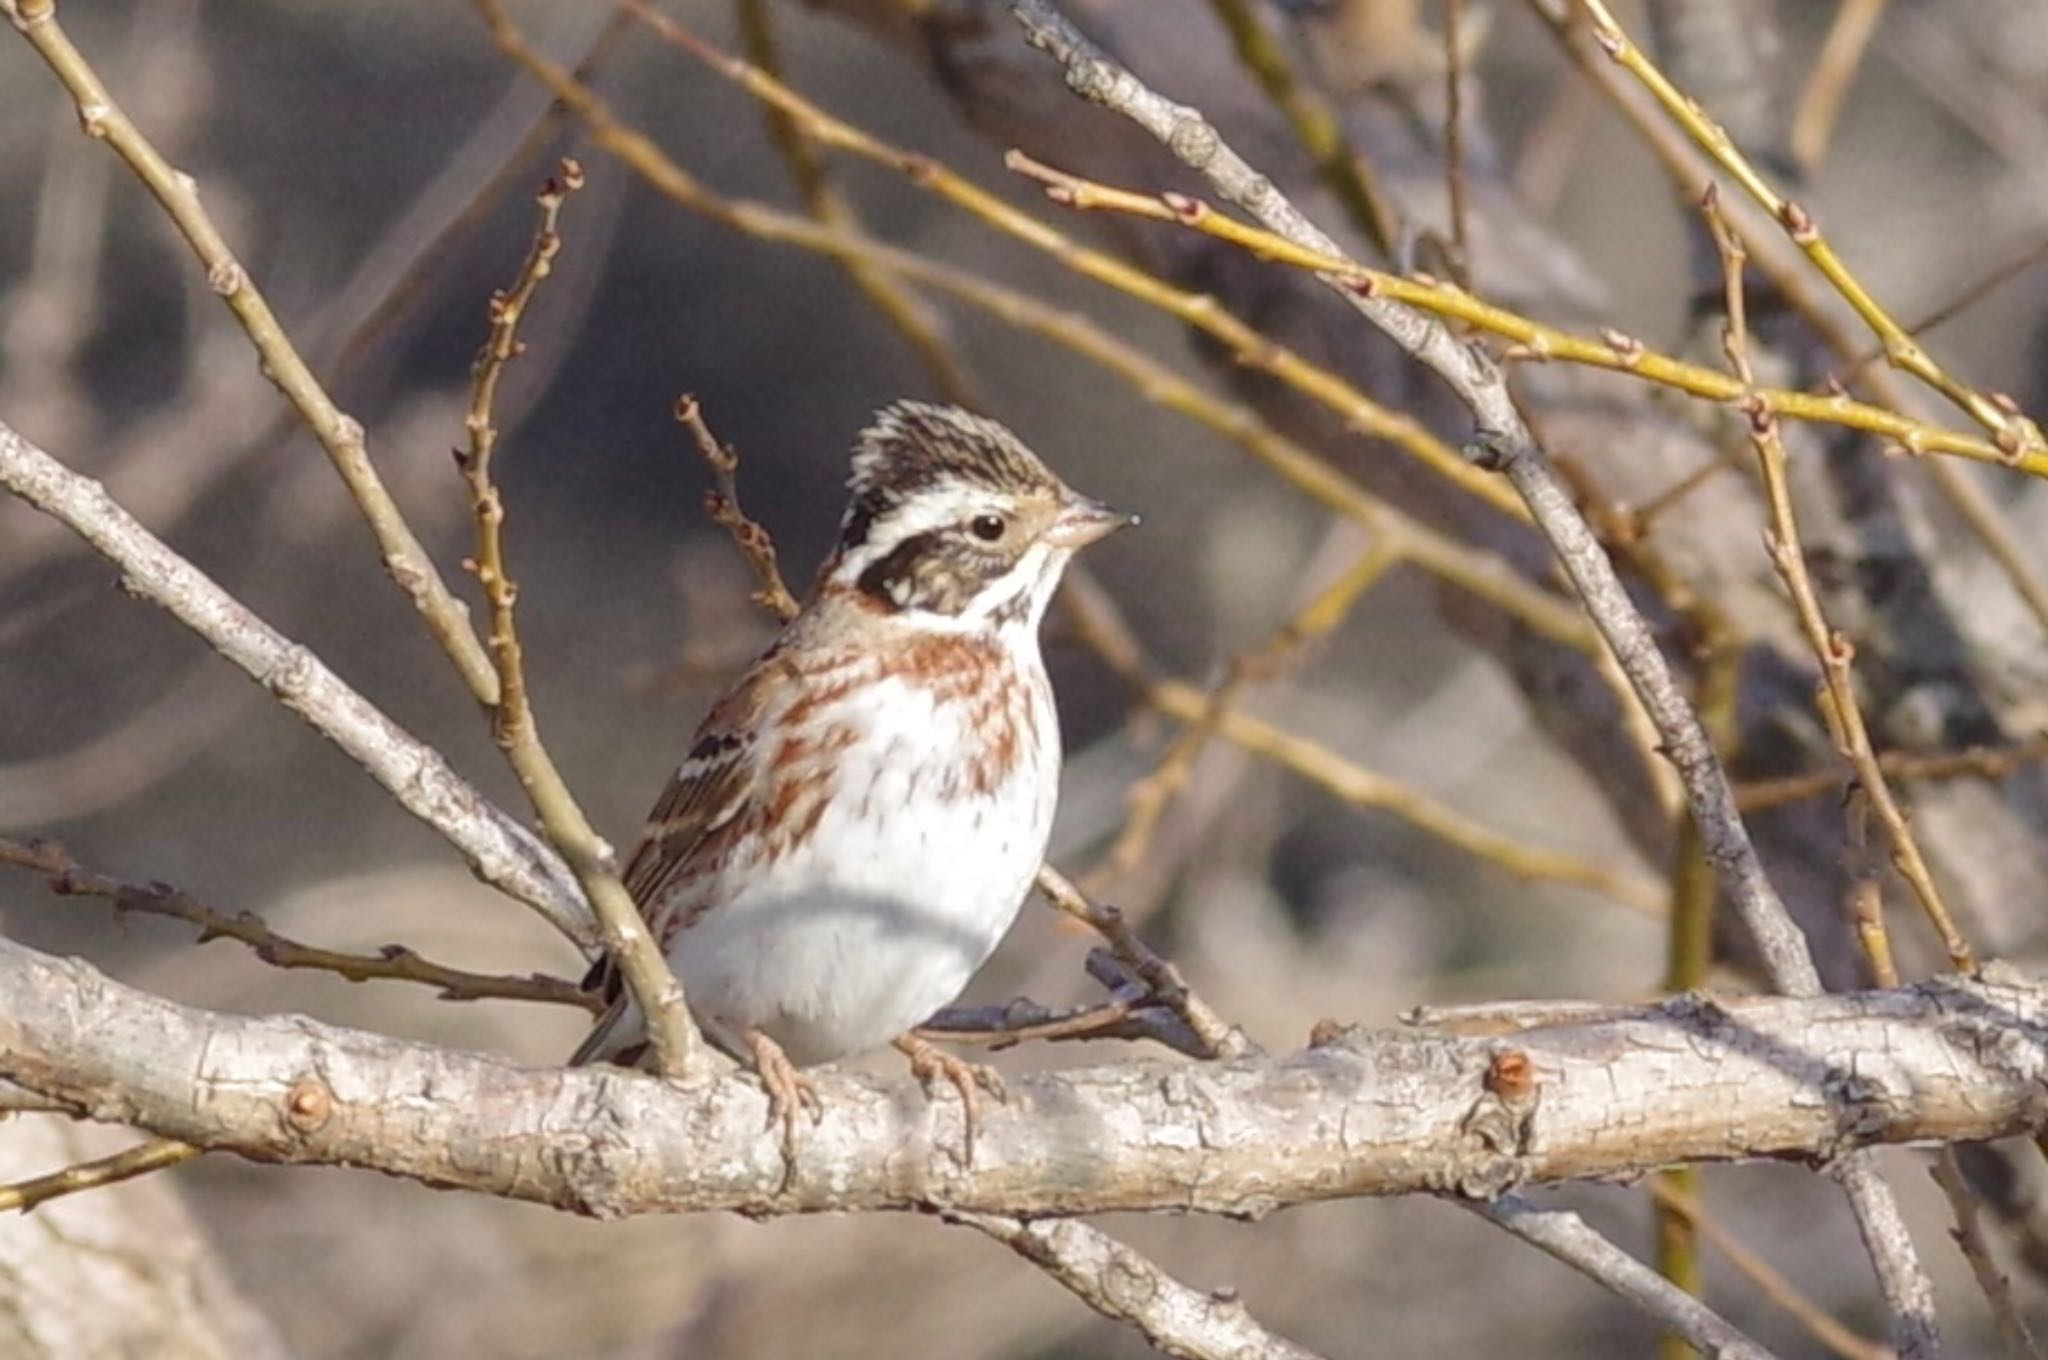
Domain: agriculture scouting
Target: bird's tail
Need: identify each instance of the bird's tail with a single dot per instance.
(619, 1036)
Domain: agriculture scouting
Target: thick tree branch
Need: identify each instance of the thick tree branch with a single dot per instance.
(1364, 1113)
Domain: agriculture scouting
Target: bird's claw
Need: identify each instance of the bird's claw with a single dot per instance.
(930, 1064)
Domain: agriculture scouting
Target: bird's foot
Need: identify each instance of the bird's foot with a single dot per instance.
(929, 1064)
(790, 1093)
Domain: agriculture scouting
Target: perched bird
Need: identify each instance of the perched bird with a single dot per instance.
(861, 815)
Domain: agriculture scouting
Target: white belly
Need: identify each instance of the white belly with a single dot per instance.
(884, 912)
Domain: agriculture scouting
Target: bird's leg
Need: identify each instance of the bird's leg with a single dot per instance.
(930, 1063)
(790, 1093)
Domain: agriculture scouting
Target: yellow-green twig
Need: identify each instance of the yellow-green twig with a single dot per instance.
(1832, 650)
(1316, 125)
(2019, 438)
(1532, 340)
(648, 978)
(140, 1160)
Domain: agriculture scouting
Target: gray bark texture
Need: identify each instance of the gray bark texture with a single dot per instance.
(1361, 1113)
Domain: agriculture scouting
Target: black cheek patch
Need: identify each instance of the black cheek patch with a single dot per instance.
(931, 572)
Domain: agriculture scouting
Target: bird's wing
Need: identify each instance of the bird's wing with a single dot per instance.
(712, 787)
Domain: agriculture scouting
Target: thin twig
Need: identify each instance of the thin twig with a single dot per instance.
(1316, 125)
(1130, 1015)
(1566, 1236)
(1975, 762)
(1969, 295)
(2016, 435)
(1532, 341)
(1127, 1287)
(1833, 651)
(393, 962)
(723, 505)
(678, 1046)
(2013, 1333)
(154, 1155)
(1454, 138)
(1161, 978)
(497, 848)
(1770, 1282)
(1834, 71)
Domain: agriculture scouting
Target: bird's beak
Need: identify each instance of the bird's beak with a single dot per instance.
(1083, 520)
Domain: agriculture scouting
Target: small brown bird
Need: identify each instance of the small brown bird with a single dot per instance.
(861, 815)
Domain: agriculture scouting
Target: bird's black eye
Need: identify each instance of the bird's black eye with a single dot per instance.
(987, 528)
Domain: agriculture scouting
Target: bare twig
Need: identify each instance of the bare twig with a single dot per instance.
(154, 1155)
(1770, 1282)
(723, 505)
(1503, 443)
(1128, 1287)
(1834, 72)
(393, 962)
(1454, 137)
(2013, 1333)
(498, 849)
(678, 1047)
(1566, 1236)
(1976, 762)
(1221, 1039)
(1318, 127)
(1131, 1014)
(1844, 716)
(2015, 435)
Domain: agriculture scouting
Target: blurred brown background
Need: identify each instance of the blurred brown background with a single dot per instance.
(333, 140)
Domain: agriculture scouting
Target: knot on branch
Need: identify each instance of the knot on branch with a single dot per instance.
(1498, 1129)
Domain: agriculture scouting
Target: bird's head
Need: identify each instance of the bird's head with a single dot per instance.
(954, 522)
